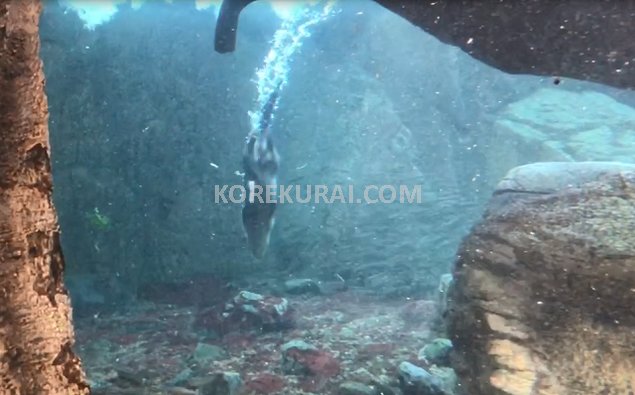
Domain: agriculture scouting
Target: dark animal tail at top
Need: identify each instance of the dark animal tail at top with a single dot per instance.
(227, 24)
(268, 108)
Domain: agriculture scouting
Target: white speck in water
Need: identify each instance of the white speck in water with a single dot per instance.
(470, 40)
(214, 165)
(539, 302)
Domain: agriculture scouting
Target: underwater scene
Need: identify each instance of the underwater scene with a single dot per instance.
(338, 202)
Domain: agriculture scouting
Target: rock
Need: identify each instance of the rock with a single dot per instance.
(227, 383)
(437, 352)
(449, 380)
(205, 353)
(550, 126)
(551, 177)
(355, 388)
(301, 358)
(382, 383)
(271, 312)
(545, 281)
(415, 380)
(299, 286)
(290, 364)
(299, 344)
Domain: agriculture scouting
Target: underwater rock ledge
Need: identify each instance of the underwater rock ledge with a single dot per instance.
(544, 289)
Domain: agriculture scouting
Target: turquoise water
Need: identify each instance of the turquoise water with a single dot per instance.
(146, 120)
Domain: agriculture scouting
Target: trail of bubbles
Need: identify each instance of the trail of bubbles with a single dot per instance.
(286, 41)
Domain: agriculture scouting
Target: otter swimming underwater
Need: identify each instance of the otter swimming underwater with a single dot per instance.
(260, 162)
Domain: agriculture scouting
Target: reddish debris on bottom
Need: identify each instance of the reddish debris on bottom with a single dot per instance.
(265, 383)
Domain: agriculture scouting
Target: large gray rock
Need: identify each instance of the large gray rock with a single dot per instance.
(551, 177)
(544, 287)
(554, 124)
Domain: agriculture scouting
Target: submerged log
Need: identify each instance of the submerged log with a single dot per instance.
(36, 335)
(544, 288)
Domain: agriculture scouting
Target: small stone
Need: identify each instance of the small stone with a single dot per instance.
(355, 388)
(301, 358)
(290, 364)
(248, 296)
(382, 383)
(437, 352)
(299, 286)
(267, 312)
(416, 380)
(299, 344)
(227, 383)
(206, 353)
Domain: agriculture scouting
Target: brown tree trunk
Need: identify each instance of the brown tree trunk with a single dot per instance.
(36, 334)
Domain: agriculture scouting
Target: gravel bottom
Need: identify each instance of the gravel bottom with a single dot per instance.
(148, 349)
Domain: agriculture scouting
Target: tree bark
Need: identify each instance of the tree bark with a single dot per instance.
(36, 333)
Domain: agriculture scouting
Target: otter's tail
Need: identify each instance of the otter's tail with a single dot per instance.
(268, 109)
